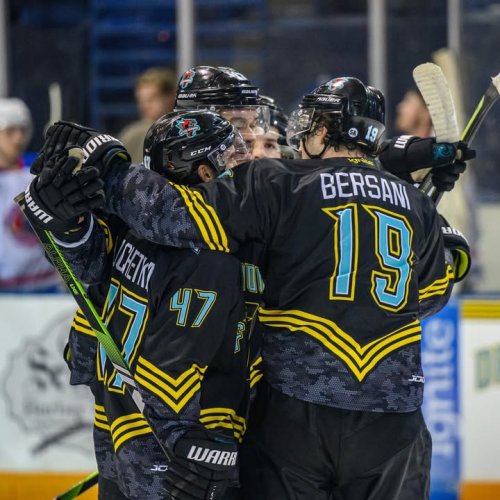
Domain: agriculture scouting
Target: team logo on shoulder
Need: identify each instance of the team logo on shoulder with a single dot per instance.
(187, 127)
(187, 78)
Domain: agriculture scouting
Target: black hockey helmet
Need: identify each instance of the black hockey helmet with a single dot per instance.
(353, 113)
(218, 88)
(178, 142)
(277, 117)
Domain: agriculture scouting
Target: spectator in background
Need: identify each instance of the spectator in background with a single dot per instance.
(155, 95)
(457, 206)
(23, 266)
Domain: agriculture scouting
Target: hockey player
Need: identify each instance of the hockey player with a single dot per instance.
(355, 257)
(178, 317)
(272, 144)
(227, 92)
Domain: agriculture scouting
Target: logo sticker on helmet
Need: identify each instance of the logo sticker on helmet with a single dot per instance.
(187, 78)
(353, 132)
(187, 127)
(335, 84)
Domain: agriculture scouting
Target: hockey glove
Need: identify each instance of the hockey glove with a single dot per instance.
(444, 177)
(99, 149)
(407, 153)
(203, 467)
(58, 197)
(457, 244)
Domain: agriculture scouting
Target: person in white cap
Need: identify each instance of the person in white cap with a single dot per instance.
(23, 266)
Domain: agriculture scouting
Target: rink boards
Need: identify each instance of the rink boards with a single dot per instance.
(46, 425)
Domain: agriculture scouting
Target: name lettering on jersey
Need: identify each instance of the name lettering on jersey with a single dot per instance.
(35, 209)
(402, 141)
(210, 456)
(349, 184)
(134, 265)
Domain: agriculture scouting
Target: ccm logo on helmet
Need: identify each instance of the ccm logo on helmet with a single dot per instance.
(200, 151)
(209, 456)
(90, 146)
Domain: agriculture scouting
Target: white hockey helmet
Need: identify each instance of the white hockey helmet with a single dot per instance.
(15, 113)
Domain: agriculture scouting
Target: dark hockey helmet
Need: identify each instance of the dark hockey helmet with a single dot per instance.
(277, 117)
(353, 113)
(219, 88)
(178, 142)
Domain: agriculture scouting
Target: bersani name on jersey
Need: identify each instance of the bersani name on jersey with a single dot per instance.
(348, 184)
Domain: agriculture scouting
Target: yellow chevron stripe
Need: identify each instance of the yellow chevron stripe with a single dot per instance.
(101, 425)
(224, 411)
(175, 394)
(99, 407)
(201, 220)
(254, 373)
(227, 418)
(410, 340)
(329, 328)
(439, 282)
(127, 418)
(365, 358)
(81, 329)
(173, 381)
(255, 379)
(215, 218)
(210, 422)
(80, 318)
(124, 428)
(237, 433)
(360, 361)
(432, 293)
(176, 406)
(256, 362)
(130, 435)
(100, 417)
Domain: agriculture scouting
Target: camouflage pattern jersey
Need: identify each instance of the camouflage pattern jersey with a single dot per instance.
(354, 258)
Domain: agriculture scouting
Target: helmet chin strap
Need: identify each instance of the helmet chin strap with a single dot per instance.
(313, 156)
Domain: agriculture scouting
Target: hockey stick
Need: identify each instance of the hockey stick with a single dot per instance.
(487, 100)
(101, 332)
(436, 93)
(79, 488)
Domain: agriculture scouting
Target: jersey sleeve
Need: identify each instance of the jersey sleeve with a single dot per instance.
(90, 256)
(434, 268)
(217, 215)
(80, 351)
(190, 366)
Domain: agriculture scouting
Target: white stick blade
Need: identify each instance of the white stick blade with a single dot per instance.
(437, 96)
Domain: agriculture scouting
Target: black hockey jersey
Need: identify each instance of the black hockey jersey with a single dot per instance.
(354, 258)
(178, 317)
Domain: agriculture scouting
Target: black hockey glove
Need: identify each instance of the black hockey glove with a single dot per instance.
(203, 466)
(99, 149)
(444, 177)
(457, 244)
(405, 154)
(58, 197)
